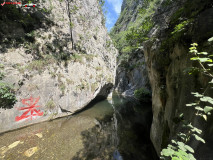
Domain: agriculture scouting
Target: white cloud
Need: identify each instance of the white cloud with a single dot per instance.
(110, 19)
(116, 5)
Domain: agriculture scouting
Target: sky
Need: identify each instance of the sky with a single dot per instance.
(113, 8)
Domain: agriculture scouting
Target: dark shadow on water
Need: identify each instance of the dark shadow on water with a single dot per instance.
(91, 104)
(125, 135)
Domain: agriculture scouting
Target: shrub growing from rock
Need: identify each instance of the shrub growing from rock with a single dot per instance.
(7, 96)
(143, 95)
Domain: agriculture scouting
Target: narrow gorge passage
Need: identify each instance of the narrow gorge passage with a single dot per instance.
(111, 129)
(148, 64)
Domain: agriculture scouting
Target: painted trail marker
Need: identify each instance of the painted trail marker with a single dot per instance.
(31, 108)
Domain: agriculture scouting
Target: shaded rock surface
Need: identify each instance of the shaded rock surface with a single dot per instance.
(171, 85)
(129, 80)
(170, 82)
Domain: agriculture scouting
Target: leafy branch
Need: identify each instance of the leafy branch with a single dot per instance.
(178, 149)
(200, 60)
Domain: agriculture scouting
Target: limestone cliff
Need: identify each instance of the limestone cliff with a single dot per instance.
(131, 73)
(167, 61)
(59, 51)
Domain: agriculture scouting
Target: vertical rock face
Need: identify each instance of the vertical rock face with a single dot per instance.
(170, 82)
(167, 59)
(131, 73)
(130, 79)
(59, 51)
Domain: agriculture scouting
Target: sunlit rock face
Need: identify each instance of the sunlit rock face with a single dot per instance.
(59, 51)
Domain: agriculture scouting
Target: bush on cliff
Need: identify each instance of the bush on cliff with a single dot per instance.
(143, 95)
(7, 96)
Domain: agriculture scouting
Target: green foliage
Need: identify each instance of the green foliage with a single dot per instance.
(108, 43)
(181, 21)
(101, 2)
(128, 50)
(143, 94)
(71, 25)
(45, 60)
(62, 87)
(210, 39)
(77, 58)
(81, 86)
(202, 58)
(45, 10)
(98, 68)
(2, 75)
(127, 35)
(205, 59)
(179, 33)
(136, 36)
(62, 56)
(189, 10)
(7, 95)
(89, 57)
(1, 66)
(119, 39)
(135, 32)
(167, 3)
(103, 9)
(178, 149)
(50, 104)
(38, 65)
(74, 9)
(124, 59)
(180, 27)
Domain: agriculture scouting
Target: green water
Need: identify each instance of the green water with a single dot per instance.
(114, 129)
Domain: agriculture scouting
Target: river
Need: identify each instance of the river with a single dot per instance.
(115, 129)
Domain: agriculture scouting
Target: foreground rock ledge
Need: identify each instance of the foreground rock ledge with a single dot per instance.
(7, 117)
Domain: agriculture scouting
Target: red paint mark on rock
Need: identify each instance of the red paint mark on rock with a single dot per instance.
(31, 105)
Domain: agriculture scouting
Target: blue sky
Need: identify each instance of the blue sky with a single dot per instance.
(113, 8)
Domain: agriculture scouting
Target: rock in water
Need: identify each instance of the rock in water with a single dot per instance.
(30, 151)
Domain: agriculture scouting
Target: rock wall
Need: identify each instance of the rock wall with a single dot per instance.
(170, 82)
(167, 60)
(131, 74)
(58, 51)
(133, 78)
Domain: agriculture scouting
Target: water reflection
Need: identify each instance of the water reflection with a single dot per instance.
(117, 129)
(122, 135)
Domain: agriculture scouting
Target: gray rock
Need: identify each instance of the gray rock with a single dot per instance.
(64, 87)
